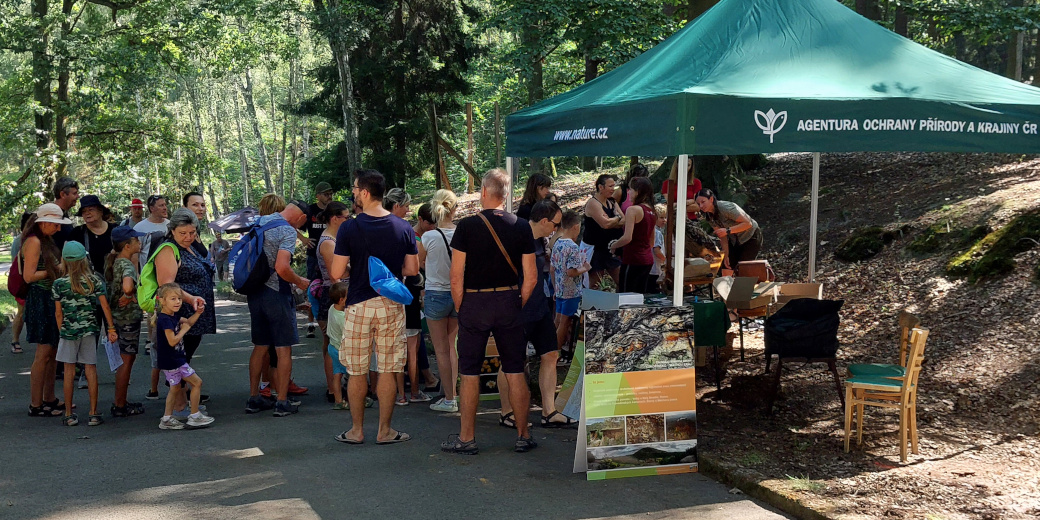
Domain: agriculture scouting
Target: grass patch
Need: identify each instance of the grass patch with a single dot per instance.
(994, 254)
(752, 458)
(867, 242)
(5, 258)
(8, 305)
(805, 484)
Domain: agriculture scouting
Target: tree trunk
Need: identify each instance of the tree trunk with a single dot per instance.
(341, 53)
(242, 158)
(535, 86)
(41, 73)
(869, 9)
(902, 22)
(696, 8)
(1016, 43)
(591, 71)
(218, 139)
(261, 147)
(206, 175)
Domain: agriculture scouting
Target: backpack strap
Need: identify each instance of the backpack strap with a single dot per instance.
(445, 238)
(501, 247)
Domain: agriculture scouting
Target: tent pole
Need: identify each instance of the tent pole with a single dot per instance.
(679, 267)
(812, 217)
(509, 198)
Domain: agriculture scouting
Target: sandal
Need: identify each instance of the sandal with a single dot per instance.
(547, 421)
(508, 420)
(70, 420)
(455, 445)
(16, 348)
(95, 420)
(401, 401)
(40, 411)
(341, 406)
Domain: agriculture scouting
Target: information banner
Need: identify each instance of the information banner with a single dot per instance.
(639, 413)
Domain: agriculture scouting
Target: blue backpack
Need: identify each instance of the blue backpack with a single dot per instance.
(250, 267)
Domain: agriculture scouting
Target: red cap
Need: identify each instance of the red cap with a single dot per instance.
(136, 203)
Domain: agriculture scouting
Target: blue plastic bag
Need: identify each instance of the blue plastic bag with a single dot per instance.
(385, 283)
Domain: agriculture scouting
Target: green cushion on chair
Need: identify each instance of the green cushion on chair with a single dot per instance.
(877, 369)
(874, 381)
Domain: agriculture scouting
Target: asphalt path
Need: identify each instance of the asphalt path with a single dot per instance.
(262, 467)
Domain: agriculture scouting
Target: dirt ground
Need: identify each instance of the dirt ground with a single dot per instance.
(979, 414)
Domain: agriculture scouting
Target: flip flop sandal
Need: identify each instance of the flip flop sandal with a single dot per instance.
(547, 421)
(343, 438)
(70, 420)
(16, 348)
(400, 437)
(508, 421)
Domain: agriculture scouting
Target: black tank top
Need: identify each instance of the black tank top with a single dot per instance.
(596, 235)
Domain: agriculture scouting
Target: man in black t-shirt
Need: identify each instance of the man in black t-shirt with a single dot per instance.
(488, 297)
(323, 194)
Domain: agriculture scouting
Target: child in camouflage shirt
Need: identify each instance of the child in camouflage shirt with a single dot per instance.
(76, 298)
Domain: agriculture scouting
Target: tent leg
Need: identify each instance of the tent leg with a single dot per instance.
(679, 266)
(511, 171)
(813, 216)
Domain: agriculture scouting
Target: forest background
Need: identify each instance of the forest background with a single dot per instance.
(237, 98)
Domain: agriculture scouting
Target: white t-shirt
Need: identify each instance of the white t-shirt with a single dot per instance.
(658, 242)
(148, 227)
(438, 263)
(337, 320)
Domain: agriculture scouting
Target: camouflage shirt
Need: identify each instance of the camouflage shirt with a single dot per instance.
(79, 316)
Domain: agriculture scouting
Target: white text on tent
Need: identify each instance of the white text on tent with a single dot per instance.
(821, 125)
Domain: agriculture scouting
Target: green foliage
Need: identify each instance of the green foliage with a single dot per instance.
(994, 254)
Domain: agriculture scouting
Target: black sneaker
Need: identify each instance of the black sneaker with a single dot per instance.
(257, 404)
(152, 396)
(284, 408)
(454, 445)
(524, 444)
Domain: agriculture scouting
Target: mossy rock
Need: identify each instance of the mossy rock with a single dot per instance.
(939, 236)
(864, 243)
(994, 254)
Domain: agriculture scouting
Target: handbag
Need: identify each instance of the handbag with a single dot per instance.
(16, 283)
(384, 282)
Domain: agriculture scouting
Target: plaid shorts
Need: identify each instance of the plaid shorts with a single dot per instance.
(375, 325)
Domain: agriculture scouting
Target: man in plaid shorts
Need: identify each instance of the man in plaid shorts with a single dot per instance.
(373, 322)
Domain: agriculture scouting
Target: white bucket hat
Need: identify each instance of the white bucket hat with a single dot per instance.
(52, 213)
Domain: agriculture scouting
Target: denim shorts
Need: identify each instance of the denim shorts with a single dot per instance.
(439, 305)
(568, 306)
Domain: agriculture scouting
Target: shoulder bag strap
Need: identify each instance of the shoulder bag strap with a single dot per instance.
(445, 238)
(499, 242)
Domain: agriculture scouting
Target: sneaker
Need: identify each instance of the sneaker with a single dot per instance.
(369, 402)
(203, 398)
(266, 393)
(444, 405)
(182, 415)
(152, 396)
(310, 329)
(257, 404)
(524, 444)
(423, 397)
(82, 384)
(170, 424)
(295, 389)
(148, 347)
(341, 406)
(199, 420)
(454, 445)
(284, 408)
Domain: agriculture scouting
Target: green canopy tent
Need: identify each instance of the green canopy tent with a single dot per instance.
(764, 76)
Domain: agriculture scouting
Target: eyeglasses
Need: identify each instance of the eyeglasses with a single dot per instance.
(556, 225)
(152, 199)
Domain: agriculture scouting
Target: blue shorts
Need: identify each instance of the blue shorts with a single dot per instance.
(337, 367)
(568, 306)
(439, 305)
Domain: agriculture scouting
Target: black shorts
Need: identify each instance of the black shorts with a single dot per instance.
(542, 334)
(272, 318)
(483, 314)
(412, 311)
(602, 260)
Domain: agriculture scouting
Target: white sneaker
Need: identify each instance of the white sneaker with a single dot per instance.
(200, 420)
(170, 424)
(444, 405)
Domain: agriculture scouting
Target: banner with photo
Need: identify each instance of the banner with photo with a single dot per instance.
(639, 401)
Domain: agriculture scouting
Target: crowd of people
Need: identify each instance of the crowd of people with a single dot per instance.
(517, 278)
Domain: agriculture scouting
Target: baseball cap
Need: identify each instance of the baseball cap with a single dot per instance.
(322, 187)
(303, 207)
(51, 212)
(124, 233)
(136, 203)
(73, 250)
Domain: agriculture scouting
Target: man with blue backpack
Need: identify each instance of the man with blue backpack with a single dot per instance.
(380, 249)
(263, 272)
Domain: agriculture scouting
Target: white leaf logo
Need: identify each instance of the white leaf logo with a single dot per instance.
(770, 122)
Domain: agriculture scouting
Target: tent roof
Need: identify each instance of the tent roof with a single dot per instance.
(832, 79)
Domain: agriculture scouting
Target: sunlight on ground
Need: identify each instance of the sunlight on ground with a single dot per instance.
(240, 454)
(743, 509)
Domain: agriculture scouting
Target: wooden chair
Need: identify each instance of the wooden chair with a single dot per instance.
(907, 322)
(888, 392)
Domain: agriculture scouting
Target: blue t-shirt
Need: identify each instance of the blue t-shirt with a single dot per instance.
(388, 238)
(538, 303)
(279, 238)
(169, 357)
